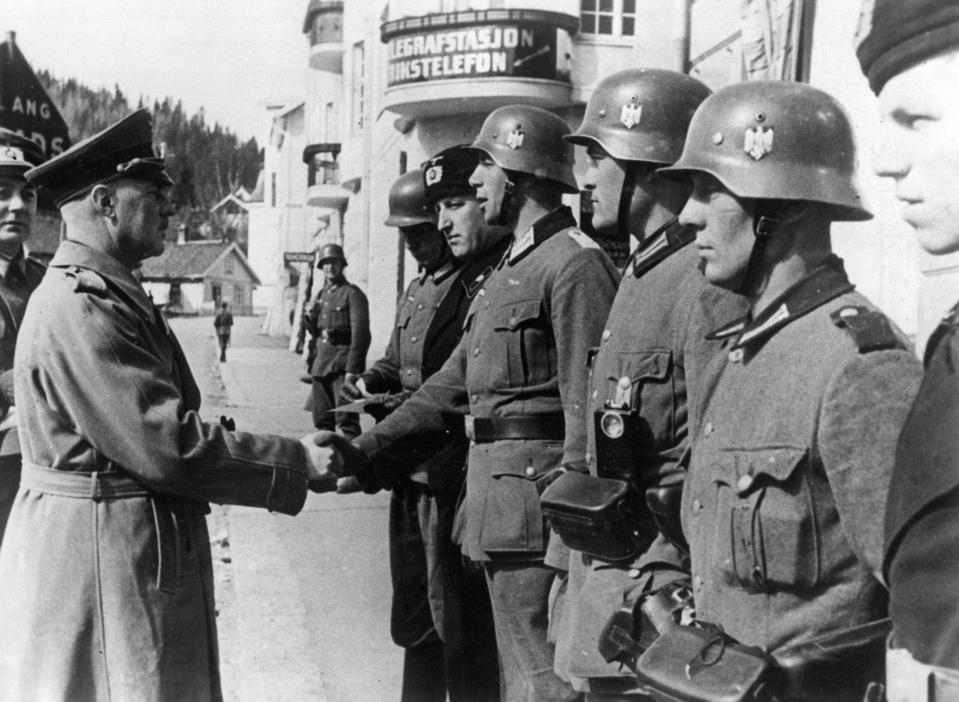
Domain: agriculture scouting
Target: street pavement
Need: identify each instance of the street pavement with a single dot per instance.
(303, 602)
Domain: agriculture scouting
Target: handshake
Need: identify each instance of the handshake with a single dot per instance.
(334, 461)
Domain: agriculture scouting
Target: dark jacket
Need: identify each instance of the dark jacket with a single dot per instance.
(922, 517)
(339, 322)
(112, 598)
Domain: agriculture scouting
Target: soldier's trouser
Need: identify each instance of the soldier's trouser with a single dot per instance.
(519, 593)
(224, 340)
(326, 396)
(9, 482)
(461, 611)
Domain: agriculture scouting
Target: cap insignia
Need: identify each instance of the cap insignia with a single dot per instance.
(758, 141)
(434, 174)
(515, 139)
(630, 115)
(11, 153)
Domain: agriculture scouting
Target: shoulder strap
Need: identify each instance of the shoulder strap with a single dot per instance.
(870, 330)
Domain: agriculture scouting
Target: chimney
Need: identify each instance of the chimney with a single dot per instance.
(10, 38)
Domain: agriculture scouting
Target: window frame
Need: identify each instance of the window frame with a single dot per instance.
(617, 16)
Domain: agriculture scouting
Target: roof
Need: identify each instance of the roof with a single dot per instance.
(192, 260)
(229, 198)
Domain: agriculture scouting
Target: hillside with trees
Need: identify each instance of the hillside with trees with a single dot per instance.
(207, 162)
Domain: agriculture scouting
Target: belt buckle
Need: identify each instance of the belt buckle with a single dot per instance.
(468, 423)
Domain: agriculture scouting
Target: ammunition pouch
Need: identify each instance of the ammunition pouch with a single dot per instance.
(634, 626)
(703, 664)
(601, 517)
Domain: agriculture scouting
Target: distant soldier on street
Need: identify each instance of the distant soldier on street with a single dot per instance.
(909, 50)
(791, 457)
(339, 326)
(223, 323)
(106, 580)
(518, 376)
(19, 276)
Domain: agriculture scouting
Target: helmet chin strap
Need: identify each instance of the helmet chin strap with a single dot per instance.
(509, 196)
(764, 224)
(630, 182)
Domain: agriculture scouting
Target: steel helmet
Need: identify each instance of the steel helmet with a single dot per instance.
(528, 140)
(408, 203)
(331, 251)
(449, 171)
(776, 140)
(641, 114)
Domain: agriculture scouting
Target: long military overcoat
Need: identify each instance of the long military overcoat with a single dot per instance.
(106, 589)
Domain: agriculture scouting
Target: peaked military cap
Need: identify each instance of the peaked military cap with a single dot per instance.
(123, 150)
(17, 153)
(449, 171)
(895, 35)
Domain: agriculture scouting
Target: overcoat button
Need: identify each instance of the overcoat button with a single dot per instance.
(530, 471)
(744, 483)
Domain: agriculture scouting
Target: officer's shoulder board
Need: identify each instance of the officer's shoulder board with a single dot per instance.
(869, 329)
(86, 281)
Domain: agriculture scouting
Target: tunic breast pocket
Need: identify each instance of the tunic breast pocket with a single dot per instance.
(773, 535)
(524, 338)
(339, 317)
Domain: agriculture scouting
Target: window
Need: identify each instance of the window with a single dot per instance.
(228, 265)
(608, 17)
(239, 295)
(272, 189)
(359, 85)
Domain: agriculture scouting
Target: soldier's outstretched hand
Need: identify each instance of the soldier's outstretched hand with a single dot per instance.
(350, 460)
(321, 471)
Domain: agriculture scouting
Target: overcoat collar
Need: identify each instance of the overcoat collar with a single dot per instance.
(72, 253)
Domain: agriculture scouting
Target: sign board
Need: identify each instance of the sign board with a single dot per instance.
(298, 256)
(25, 106)
(520, 49)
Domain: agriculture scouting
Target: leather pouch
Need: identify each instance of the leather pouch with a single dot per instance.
(602, 517)
(702, 664)
(840, 665)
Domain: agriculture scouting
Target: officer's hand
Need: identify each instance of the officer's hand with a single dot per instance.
(348, 485)
(354, 387)
(320, 471)
(350, 460)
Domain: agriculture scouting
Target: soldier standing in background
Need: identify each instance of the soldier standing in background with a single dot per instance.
(909, 50)
(19, 275)
(789, 475)
(339, 326)
(518, 375)
(223, 323)
(651, 358)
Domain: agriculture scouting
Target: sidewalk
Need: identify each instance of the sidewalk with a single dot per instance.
(303, 601)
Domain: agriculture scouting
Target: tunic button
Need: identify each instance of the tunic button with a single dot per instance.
(606, 334)
(474, 399)
(595, 394)
(476, 351)
(512, 320)
(409, 371)
(633, 573)
(589, 457)
(419, 306)
(413, 339)
(736, 356)
(744, 483)
(708, 429)
(625, 382)
(530, 471)
(697, 506)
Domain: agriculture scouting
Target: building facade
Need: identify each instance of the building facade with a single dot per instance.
(389, 84)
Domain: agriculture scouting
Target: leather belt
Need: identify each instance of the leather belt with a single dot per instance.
(537, 426)
(99, 486)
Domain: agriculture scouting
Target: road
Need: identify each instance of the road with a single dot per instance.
(303, 602)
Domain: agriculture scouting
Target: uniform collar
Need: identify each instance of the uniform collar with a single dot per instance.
(945, 326)
(660, 245)
(17, 262)
(826, 282)
(542, 229)
(333, 286)
(72, 253)
(477, 272)
(445, 270)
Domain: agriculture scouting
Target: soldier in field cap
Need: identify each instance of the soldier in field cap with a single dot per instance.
(106, 582)
(909, 51)
(19, 275)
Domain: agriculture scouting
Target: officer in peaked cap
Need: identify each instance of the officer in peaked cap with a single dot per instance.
(19, 276)
(339, 326)
(909, 50)
(108, 525)
(518, 372)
